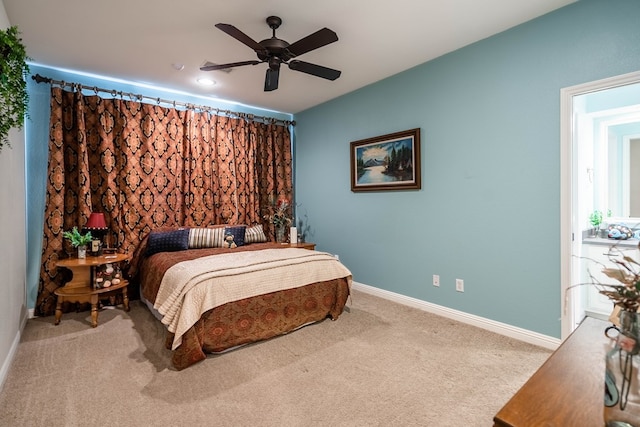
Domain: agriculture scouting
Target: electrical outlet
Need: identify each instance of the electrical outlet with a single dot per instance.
(436, 280)
(459, 285)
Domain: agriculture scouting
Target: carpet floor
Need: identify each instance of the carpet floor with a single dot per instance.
(380, 364)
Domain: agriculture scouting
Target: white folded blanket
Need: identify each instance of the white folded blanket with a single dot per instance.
(190, 288)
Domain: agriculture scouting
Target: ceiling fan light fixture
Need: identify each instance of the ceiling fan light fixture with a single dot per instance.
(274, 63)
(206, 82)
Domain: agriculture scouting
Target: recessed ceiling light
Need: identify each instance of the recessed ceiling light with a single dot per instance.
(178, 66)
(206, 82)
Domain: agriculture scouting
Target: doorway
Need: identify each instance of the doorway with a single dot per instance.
(580, 165)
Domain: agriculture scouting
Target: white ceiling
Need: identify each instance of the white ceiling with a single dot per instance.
(138, 40)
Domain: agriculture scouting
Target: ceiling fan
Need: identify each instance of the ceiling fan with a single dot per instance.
(275, 51)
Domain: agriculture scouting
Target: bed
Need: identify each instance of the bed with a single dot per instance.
(214, 298)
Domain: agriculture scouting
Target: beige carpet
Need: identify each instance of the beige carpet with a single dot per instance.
(379, 364)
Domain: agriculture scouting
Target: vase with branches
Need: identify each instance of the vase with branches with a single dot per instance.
(622, 396)
(280, 217)
(304, 229)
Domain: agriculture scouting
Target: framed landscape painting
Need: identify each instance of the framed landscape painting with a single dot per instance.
(386, 162)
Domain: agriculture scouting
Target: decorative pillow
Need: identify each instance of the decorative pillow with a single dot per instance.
(254, 234)
(167, 241)
(206, 237)
(237, 231)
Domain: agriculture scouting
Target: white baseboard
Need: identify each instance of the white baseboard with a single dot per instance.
(481, 322)
(6, 364)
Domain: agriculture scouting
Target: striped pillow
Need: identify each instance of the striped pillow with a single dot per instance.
(206, 237)
(254, 234)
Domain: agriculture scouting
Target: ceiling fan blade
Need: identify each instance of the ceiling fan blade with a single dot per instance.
(315, 70)
(313, 41)
(271, 79)
(211, 67)
(240, 36)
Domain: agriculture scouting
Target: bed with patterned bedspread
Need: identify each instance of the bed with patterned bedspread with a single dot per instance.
(212, 299)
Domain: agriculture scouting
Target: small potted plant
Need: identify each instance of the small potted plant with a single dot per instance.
(595, 219)
(603, 232)
(78, 240)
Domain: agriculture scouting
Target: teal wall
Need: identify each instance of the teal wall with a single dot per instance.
(489, 208)
(37, 139)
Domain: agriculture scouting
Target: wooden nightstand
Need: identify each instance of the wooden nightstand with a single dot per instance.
(79, 289)
(305, 245)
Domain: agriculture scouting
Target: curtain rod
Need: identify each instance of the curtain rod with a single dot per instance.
(77, 86)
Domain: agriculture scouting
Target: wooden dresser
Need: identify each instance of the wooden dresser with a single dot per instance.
(568, 389)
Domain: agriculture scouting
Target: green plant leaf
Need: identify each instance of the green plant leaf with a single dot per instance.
(595, 218)
(76, 238)
(14, 98)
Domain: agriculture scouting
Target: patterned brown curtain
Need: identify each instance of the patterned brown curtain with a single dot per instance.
(147, 166)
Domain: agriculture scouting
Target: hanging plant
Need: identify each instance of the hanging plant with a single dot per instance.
(13, 86)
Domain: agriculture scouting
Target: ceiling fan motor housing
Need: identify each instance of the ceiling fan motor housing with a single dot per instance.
(274, 47)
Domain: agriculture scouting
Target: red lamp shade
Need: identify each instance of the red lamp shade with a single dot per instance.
(96, 222)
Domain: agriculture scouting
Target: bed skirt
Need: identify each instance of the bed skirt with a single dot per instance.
(258, 318)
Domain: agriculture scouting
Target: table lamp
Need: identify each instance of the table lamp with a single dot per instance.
(97, 225)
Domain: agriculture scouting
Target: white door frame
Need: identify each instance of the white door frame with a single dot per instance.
(571, 309)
